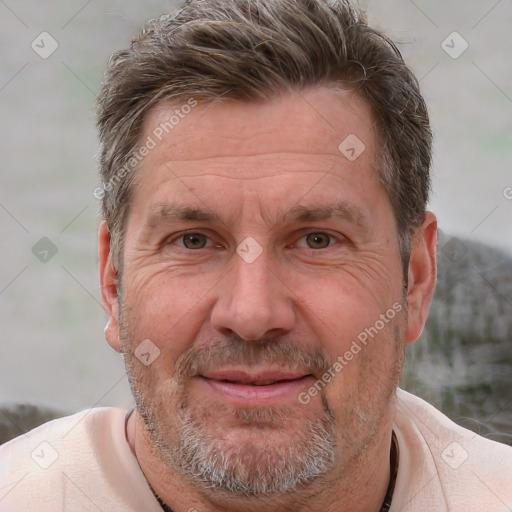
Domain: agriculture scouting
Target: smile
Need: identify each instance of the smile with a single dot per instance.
(257, 389)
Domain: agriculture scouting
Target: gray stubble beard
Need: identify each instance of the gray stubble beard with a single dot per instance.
(250, 468)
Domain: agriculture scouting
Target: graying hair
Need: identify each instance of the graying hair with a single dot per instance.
(251, 50)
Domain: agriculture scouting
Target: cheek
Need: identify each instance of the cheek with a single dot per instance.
(343, 307)
(166, 309)
(368, 368)
(350, 296)
(358, 327)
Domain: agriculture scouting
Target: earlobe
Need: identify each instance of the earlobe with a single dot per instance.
(422, 276)
(108, 281)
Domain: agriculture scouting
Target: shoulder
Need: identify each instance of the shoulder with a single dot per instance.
(19, 451)
(63, 433)
(63, 458)
(447, 466)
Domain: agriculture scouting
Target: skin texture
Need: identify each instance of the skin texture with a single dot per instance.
(271, 171)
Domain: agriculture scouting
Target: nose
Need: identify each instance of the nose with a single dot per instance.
(253, 302)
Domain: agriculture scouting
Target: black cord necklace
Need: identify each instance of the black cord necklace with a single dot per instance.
(393, 462)
(165, 507)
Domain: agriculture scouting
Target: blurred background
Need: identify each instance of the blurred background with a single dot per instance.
(53, 56)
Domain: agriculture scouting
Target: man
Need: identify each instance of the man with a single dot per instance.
(266, 256)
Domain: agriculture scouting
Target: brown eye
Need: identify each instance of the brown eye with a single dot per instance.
(194, 241)
(318, 240)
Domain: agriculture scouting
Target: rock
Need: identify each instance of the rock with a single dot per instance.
(16, 419)
(462, 364)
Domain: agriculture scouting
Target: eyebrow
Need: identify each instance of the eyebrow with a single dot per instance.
(176, 212)
(342, 210)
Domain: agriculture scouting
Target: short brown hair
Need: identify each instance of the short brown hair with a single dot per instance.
(251, 49)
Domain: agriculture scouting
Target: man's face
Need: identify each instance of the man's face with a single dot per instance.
(257, 255)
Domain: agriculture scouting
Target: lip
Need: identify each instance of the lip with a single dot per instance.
(253, 377)
(256, 388)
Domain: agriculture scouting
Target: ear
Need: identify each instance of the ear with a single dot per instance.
(108, 281)
(422, 276)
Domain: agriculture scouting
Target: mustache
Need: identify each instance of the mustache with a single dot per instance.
(235, 351)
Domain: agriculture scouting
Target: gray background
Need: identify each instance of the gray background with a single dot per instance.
(53, 351)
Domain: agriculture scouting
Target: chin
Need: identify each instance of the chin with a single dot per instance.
(249, 451)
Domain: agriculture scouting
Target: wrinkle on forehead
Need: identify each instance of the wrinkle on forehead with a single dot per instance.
(210, 163)
(306, 120)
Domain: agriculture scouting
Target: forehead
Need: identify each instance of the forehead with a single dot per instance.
(312, 122)
(267, 157)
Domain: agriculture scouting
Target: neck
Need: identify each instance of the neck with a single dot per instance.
(360, 487)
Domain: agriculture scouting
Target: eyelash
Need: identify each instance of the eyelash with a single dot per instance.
(333, 240)
(180, 236)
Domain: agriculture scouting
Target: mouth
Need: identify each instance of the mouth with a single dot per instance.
(256, 387)
(258, 383)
